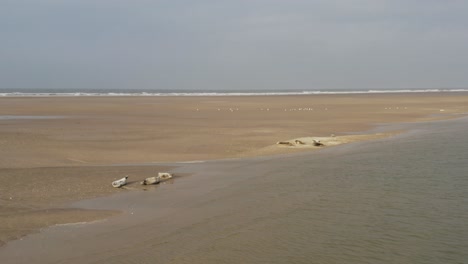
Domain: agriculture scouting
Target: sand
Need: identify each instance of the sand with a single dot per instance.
(68, 151)
(32, 198)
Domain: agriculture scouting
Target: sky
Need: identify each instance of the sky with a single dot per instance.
(233, 45)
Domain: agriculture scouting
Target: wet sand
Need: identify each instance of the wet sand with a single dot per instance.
(46, 163)
(33, 198)
(365, 202)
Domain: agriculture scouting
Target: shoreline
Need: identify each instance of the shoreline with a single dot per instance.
(155, 93)
(177, 208)
(71, 214)
(43, 179)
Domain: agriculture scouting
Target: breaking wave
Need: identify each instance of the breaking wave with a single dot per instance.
(222, 93)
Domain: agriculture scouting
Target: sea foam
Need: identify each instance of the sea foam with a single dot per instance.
(221, 93)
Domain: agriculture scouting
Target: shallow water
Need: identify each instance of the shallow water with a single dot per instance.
(400, 200)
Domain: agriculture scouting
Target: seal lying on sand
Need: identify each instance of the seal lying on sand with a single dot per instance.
(162, 176)
(317, 143)
(120, 183)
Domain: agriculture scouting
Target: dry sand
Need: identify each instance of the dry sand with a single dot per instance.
(48, 162)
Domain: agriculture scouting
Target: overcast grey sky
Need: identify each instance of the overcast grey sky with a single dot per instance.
(237, 44)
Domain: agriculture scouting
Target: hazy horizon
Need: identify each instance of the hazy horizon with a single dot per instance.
(233, 45)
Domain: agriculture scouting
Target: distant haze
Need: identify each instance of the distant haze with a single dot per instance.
(233, 45)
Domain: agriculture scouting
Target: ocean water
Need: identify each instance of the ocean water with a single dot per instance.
(159, 92)
(398, 200)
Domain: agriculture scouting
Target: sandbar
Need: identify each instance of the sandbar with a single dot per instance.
(47, 163)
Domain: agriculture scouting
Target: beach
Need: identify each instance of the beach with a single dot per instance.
(57, 151)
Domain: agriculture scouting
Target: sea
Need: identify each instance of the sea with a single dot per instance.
(5, 92)
(397, 200)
